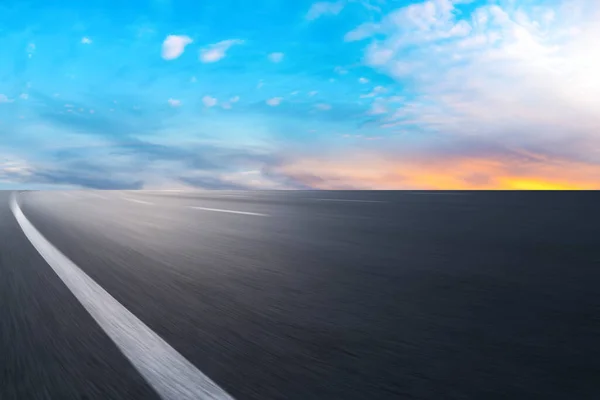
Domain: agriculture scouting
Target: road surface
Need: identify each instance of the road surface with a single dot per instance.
(299, 295)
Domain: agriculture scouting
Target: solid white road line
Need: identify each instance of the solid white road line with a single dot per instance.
(137, 201)
(168, 372)
(229, 211)
(352, 201)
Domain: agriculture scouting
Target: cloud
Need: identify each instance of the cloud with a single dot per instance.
(95, 180)
(313, 93)
(234, 99)
(526, 76)
(363, 80)
(323, 107)
(23, 96)
(276, 57)
(209, 101)
(213, 183)
(5, 99)
(174, 45)
(174, 102)
(371, 171)
(378, 90)
(86, 40)
(324, 8)
(217, 51)
(377, 108)
(275, 101)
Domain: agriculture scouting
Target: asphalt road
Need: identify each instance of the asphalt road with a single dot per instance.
(304, 295)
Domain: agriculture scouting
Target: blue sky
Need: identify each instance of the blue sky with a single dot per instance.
(274, 94)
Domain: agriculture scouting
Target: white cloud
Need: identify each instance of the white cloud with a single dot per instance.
(363, 80)
(86, 40)
(526, 75)
(322, 8)
(5, 99)
(226, 106)
(217, 51)
(340, 70)
(24, 96)
(274, 102)
(276, 57)
(234, 99)
(313, 93)
(209, 101)
(173, 46)
(377, 90)
(377, 108)
(323, 107)
(174, 102)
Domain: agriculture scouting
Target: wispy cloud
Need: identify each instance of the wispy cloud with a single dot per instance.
(464, 70)
(276, 57)
(174, 102)
(275, 101)
(209, 101)
(173, 46)
(217, 51)
(323, 8)
(86, 40)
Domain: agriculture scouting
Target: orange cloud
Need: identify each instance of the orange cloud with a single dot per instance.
(372, 172)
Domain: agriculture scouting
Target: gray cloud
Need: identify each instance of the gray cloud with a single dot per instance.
(210, 183)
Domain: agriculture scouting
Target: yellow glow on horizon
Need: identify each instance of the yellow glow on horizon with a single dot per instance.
(450, 174)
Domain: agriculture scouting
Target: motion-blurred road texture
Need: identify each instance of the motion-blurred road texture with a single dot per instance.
(299, 295)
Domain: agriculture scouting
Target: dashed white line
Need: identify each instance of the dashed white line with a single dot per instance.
(168, 372)
(137, 201)
(229, 211)
(352, 201)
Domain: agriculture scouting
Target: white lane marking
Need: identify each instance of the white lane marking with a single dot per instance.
(137, 201)
(168, 372)
(229, 211)
(352, 201)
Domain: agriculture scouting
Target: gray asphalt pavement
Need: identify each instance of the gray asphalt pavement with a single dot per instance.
(298, 295)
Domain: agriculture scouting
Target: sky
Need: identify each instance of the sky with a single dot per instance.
(282, 94)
